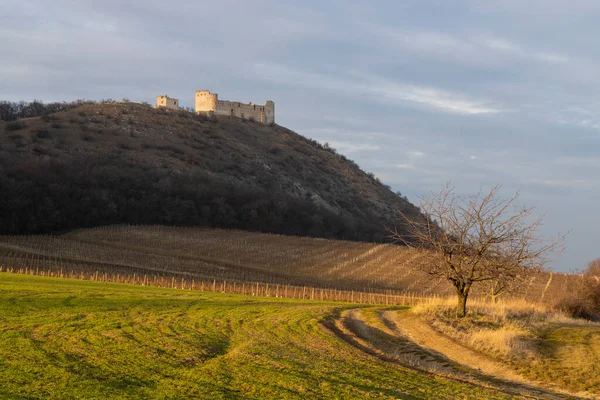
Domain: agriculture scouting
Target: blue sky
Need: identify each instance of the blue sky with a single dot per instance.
(419, 92)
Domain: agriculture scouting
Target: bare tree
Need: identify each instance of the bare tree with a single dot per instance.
(515, 282)
(477, 239)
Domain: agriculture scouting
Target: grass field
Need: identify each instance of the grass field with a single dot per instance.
(66, 339)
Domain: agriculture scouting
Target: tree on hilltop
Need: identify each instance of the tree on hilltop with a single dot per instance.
(477, 239)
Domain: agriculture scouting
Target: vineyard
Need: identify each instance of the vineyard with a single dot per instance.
(244, 262)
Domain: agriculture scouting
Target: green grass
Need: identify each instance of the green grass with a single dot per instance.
(67, 339)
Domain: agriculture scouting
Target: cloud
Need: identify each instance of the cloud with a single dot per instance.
(476, 48)
(567, 183)
(580, 161)
(552, 58)
(482, 92)
(420, 170)
(352, 147)
(378, 89)
(447, 101)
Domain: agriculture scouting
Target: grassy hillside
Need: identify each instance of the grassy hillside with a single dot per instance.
(129, 163)
(246, 257)
(65, 339)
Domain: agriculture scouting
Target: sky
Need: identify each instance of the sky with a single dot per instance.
(421, 93)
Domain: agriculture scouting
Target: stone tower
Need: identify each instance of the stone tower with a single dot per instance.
(269, 112)
(206, 101)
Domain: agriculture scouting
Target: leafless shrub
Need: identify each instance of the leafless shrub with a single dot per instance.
(584, 302)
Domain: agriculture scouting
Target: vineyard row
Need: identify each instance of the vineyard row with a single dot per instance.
(233, 287)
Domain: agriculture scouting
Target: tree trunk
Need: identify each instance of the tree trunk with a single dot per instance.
(461, 307)
(462, 291)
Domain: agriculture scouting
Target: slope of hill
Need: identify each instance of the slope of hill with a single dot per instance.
(130, 163)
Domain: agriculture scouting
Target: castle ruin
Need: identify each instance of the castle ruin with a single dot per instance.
(167, 102)
(209, 103)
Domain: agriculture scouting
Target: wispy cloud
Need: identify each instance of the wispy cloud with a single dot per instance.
(378, 89)
(581, 161)
(440, 99)
(418, 169)
(552, 57)
(567, 183)
(352, 147)
(474, 48)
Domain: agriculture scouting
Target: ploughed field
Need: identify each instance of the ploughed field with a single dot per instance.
(239, 256)
(65, 339)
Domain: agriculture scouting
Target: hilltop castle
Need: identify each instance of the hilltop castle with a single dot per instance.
(209, 103)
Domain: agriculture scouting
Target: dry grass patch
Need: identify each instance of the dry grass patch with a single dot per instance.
(540, 343)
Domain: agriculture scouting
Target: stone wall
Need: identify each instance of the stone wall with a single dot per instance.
(167, 102)
(209, 103)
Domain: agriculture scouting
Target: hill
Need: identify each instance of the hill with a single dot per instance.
(109, 163)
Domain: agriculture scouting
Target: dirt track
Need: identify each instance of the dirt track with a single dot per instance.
(402, 337)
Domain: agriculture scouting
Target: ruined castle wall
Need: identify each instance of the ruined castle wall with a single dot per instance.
(208, 102)
(167, 102)
(241, 110)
